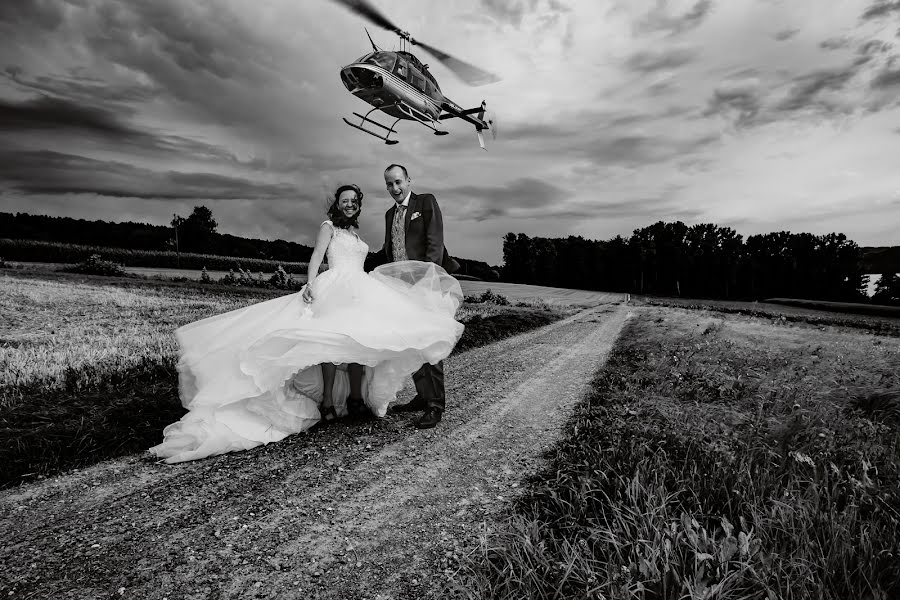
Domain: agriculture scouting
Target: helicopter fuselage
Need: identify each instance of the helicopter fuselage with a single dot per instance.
(399, 85)
(394, 82)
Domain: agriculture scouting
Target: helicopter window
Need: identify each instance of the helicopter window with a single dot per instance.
(417, 80)
(384, 60)
(400, 69)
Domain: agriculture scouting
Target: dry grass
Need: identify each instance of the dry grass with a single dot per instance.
(56, 329)
(87, 365)
(718, 457)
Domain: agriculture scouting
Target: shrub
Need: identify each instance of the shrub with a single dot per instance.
(96, 265)
(489, 297)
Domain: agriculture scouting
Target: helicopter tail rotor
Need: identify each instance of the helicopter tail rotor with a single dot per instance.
(491, 120)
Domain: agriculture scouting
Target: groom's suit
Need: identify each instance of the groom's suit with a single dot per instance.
(422, 235)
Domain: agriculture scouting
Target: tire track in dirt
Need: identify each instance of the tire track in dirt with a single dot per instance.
(349, 511)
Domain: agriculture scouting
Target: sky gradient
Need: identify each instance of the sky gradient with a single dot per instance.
(763, 115)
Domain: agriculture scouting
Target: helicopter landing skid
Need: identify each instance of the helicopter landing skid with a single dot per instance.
(420, 117)
(365, 119)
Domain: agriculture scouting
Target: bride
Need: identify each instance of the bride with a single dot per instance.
(345, 343)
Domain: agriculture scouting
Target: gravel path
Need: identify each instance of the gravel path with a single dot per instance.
(376, 510)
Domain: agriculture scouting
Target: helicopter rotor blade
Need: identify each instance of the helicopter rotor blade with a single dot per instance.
(366, 10)
(468, 72)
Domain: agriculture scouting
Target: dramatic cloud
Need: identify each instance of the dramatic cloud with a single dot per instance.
(834, 43)
(887, 79)
(46, 172)
(55, 113)
(785, 34)
(519, 197)
(610, 114)
(509, 11)
(740, 101)
(806, 93)
(661, 19)
(880, 9)
(650, 61)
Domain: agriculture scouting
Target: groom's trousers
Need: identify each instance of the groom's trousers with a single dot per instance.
(429, 380)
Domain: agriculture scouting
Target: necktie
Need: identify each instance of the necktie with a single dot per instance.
(398, 235)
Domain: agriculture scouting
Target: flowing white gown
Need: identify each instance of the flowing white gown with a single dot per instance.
(251, 376)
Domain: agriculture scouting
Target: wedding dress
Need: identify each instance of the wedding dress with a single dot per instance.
(251, 376)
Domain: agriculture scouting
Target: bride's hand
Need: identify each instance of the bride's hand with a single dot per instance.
(307, 295)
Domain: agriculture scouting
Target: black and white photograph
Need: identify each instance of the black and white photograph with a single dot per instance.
(481, 299)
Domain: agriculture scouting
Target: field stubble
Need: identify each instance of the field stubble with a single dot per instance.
(87, 364)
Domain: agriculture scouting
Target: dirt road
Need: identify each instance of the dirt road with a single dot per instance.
(376, 510)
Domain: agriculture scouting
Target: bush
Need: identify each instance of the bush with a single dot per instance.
(489, 297)
(280, 279)
(95, 265)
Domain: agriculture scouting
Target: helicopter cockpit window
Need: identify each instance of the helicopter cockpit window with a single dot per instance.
(385, 60)
(400, 69)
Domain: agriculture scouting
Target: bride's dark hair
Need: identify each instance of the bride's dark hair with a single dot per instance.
(338, 218)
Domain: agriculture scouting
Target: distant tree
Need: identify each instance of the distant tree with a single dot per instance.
(887, 290)
(197, 233)
(202, 220)
(518, 258)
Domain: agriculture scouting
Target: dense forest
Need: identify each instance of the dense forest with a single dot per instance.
(703, 261)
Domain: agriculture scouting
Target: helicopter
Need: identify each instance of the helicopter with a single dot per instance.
(400, 85)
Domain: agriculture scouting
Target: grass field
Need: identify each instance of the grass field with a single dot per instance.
(719, 455)
(789, 311)
(514, 291)
(87, 364)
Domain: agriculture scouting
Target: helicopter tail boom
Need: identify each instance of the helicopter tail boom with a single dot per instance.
(454, 111)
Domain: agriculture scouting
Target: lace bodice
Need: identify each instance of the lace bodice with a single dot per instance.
(346, 250)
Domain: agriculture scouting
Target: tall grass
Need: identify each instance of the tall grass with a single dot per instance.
(722, 459)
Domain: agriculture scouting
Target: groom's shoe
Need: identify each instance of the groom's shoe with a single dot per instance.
(357, 409)
(431, 418)
(413, 405)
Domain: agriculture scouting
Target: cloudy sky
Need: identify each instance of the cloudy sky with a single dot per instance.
(763, 115)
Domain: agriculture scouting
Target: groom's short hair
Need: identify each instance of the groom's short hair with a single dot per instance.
(396, 166)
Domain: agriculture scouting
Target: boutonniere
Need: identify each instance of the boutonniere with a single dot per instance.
(415, 216)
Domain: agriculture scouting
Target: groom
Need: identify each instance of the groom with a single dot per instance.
(414, 230)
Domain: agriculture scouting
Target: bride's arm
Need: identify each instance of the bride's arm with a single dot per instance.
(315, 261)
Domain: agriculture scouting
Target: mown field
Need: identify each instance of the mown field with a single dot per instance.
(87, 364)
(719, 455)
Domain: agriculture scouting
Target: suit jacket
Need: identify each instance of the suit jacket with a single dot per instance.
(424, 234)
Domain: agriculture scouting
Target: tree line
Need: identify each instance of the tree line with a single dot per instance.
(196, 233)
(700, 261)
